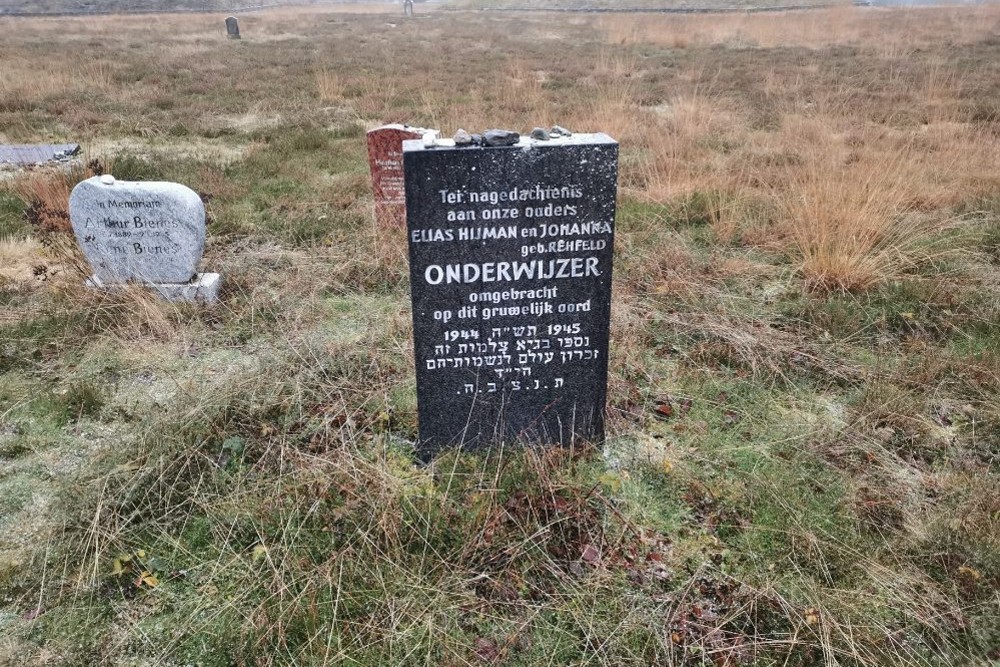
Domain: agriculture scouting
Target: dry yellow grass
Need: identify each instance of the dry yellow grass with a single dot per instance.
(681, 132)
(849, 223)
(24, 85)
(18, 258)
(843, 181)
(890, 32)
(329, 85)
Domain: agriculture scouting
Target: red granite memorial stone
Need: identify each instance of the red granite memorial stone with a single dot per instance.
(385, 158)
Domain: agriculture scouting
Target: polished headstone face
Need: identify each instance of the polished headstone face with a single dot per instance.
(385, 159)
(146, 231)
(510, 269)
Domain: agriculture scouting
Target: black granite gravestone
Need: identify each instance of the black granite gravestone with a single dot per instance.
(510, 270)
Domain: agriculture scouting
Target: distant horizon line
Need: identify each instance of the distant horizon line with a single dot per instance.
(15, 13)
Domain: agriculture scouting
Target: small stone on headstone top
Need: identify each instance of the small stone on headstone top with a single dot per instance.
(500, 137)
(560, 131)
(232, 28)
(540, 134)
(462, 138)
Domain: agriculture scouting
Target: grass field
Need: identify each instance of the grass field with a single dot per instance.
(803, 465)
(561, 5)
(23, 7)
(138, 6)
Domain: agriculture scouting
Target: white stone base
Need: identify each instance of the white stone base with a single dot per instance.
(204, 288)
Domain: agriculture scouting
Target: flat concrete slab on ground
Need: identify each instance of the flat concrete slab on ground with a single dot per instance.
(26, 155)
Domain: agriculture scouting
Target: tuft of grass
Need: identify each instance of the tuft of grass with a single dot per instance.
(850, 226)
(329, 85)
(45, 197)
(21, 260)
(80, 400)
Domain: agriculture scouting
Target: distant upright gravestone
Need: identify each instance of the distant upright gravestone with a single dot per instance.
(232, 28)
(510, 275)
(147, 232)
(408, 8)
(385, 158)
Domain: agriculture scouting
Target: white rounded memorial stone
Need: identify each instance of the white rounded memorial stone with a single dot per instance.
(152, 232)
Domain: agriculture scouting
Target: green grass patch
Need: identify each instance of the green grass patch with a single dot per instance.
(12, 221)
